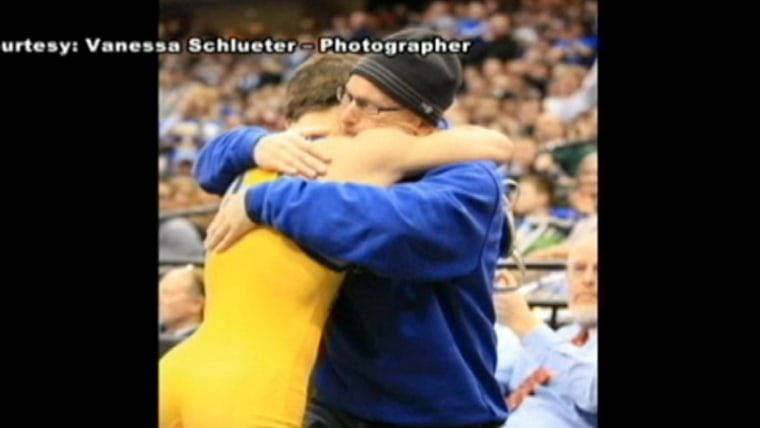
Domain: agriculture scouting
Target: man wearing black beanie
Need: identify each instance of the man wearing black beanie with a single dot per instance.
(410, 341)
(423, 84)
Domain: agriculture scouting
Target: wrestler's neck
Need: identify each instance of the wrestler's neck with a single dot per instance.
(325, 119)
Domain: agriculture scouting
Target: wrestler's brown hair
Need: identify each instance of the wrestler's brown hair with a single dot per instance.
(315, 83)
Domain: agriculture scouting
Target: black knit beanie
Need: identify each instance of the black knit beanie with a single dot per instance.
(424, 84)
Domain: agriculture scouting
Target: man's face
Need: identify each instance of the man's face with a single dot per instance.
(588, 175)
(165, 196)
(525, 151)
(492, 67)
(583, 278)
(358, 111)
(530, 199)
(528, 111)
(549, 127)
(177, 300)
(486, 111)
(498, 25)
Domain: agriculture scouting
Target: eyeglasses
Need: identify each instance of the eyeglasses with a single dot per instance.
(345, 97)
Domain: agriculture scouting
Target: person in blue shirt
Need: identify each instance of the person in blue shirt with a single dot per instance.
(410, 340)
(578, 45)
(550, 378)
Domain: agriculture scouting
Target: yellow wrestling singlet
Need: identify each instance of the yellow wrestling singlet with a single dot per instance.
(248, 365)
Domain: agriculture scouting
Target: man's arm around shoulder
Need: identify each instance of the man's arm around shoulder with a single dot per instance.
(429, 230)
(225, 157)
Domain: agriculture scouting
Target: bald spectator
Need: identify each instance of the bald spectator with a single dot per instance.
(552, 381)
(181, 298)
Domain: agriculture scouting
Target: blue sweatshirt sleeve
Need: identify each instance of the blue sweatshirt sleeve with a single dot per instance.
(430, 230)
(225, 157)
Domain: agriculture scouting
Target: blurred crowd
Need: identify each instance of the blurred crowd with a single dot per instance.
(531, 73)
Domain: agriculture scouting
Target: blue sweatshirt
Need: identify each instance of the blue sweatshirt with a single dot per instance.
(410, 340)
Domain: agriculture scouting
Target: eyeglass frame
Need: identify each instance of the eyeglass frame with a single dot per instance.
(361, 103)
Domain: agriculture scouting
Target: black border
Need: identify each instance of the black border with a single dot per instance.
(80, 191)
(656, 220)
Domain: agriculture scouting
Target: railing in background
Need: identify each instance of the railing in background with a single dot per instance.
(165, 265)
(551, 265)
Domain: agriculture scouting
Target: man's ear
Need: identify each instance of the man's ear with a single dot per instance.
(407, 127)
(415, 126)
(424, 128)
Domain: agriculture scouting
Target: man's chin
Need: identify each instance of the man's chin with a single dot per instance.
(586, 315)
(351, 132)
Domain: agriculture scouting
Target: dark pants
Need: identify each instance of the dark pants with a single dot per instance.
(322, 415)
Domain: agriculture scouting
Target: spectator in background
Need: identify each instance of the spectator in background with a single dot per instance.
(525, 150)
(584, 197)
(198, 108)
(496, 41)
(181, 298)
(474, 25)
(183, 159)
(537, 75)
(585, 127)
(577, 45)
(549, 130)
(360, 25)
(209, 70)
(525, 31)
(178, 237)
(171, 85)
(550, 133)
(528, 111)
(569, 106)
(536, 227)
(438, 18)
(551, 381)
(188, 194)
(587, 197)
(293, 60)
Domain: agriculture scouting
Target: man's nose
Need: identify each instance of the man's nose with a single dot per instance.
(348, 114)
(589, 276)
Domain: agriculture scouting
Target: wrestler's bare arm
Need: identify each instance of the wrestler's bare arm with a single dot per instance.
(460, 144)
(384, 156)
